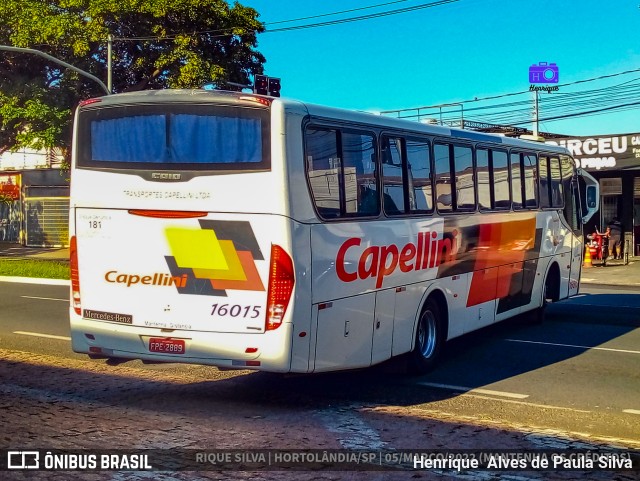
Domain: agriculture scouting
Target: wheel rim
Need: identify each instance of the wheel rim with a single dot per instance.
(427, 334)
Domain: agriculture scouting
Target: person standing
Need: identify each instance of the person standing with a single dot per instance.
(615, 235)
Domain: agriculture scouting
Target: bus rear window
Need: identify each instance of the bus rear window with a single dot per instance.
(174, 137)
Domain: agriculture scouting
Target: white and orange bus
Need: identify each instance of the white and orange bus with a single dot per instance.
(251, 232)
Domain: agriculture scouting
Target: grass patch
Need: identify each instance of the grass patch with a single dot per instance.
(40, 268)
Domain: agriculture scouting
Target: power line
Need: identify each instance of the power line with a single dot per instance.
(335, 13)
(511, 94)
(219, 33)
(604, 109)
(556, 106)
(363, 17)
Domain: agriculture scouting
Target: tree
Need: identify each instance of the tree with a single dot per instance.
(156, 44)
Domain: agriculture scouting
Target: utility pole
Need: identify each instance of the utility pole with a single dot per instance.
(535, 113)
(536, 134)
(109, 66)
(58, 61)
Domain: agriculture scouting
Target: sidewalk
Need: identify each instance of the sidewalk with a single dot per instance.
(615, 273)
(17, 251)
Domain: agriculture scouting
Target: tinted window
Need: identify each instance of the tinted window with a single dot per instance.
(464, 179)
(502, 199)
(530, 181)
(323, 171)
(543, 165)
(419, 172)
(517, 199)
(174, 137)
(393, 176)
(572, 206)
(360, 186)
(484, 179)
(557, 199)
(444, 194)
(341, 172)
(567, 167)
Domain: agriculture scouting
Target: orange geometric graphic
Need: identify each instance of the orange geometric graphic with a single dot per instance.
(252, 282)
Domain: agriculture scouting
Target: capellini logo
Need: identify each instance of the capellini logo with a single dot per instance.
(543, 73)
(217, 257)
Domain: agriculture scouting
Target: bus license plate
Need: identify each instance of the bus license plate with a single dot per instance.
(166, 346)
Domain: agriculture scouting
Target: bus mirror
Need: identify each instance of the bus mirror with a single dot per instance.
(591, 196)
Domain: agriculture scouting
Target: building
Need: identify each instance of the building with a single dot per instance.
(34, 199)
(615, 161)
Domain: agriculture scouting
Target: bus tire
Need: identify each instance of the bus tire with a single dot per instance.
(550, 291)
(537, 315)
(429, 339)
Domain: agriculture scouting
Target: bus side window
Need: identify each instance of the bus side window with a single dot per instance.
(516, 182)
(569, 186)
(444, 184)
(484, 179)
(393, 177)
(464, 179)
(557, 197)
(323, 170)
(360, 178)
(530, 181)
(502, 199)
(419, 178)
(544, 187)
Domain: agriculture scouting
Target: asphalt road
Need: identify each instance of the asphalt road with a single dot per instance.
(577, 372)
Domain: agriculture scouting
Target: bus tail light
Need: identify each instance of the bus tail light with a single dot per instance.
(281, 281)
(89, 102)
(167, 214)
(75, 277)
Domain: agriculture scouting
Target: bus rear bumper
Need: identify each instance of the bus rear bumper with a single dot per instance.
(268, 351)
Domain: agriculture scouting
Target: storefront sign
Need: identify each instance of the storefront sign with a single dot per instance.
(10, 186)
(616, 152)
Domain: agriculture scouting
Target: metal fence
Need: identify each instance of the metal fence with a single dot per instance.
(46, 221)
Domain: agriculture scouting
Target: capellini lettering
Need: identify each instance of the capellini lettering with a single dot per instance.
(378, 262)
(157, 279)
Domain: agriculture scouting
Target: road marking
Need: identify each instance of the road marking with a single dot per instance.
(512, 395)
(45, 298)
(631, 411)
(574, 346)
(39, 334)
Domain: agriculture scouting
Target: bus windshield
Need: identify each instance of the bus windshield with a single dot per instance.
(174, 137)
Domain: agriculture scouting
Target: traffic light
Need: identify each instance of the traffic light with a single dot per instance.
(261, 84)
(274, 87)
(264, 85)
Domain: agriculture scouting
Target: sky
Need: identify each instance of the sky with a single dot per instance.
(460, 51)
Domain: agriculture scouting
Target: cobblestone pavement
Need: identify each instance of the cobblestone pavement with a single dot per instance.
(48, 402)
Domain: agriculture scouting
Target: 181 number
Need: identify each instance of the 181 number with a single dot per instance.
(235, 310)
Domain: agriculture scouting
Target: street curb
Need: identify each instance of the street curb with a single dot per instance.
(621, 316)
(609, 283)
(36, 280)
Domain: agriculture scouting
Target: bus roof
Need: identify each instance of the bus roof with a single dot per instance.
(362, 117)
(436, 130)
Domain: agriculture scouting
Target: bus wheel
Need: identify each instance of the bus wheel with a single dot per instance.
(429, 339)
(537, 315)
(550, 291)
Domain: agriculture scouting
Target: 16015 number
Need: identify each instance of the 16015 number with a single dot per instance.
(235, 310)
